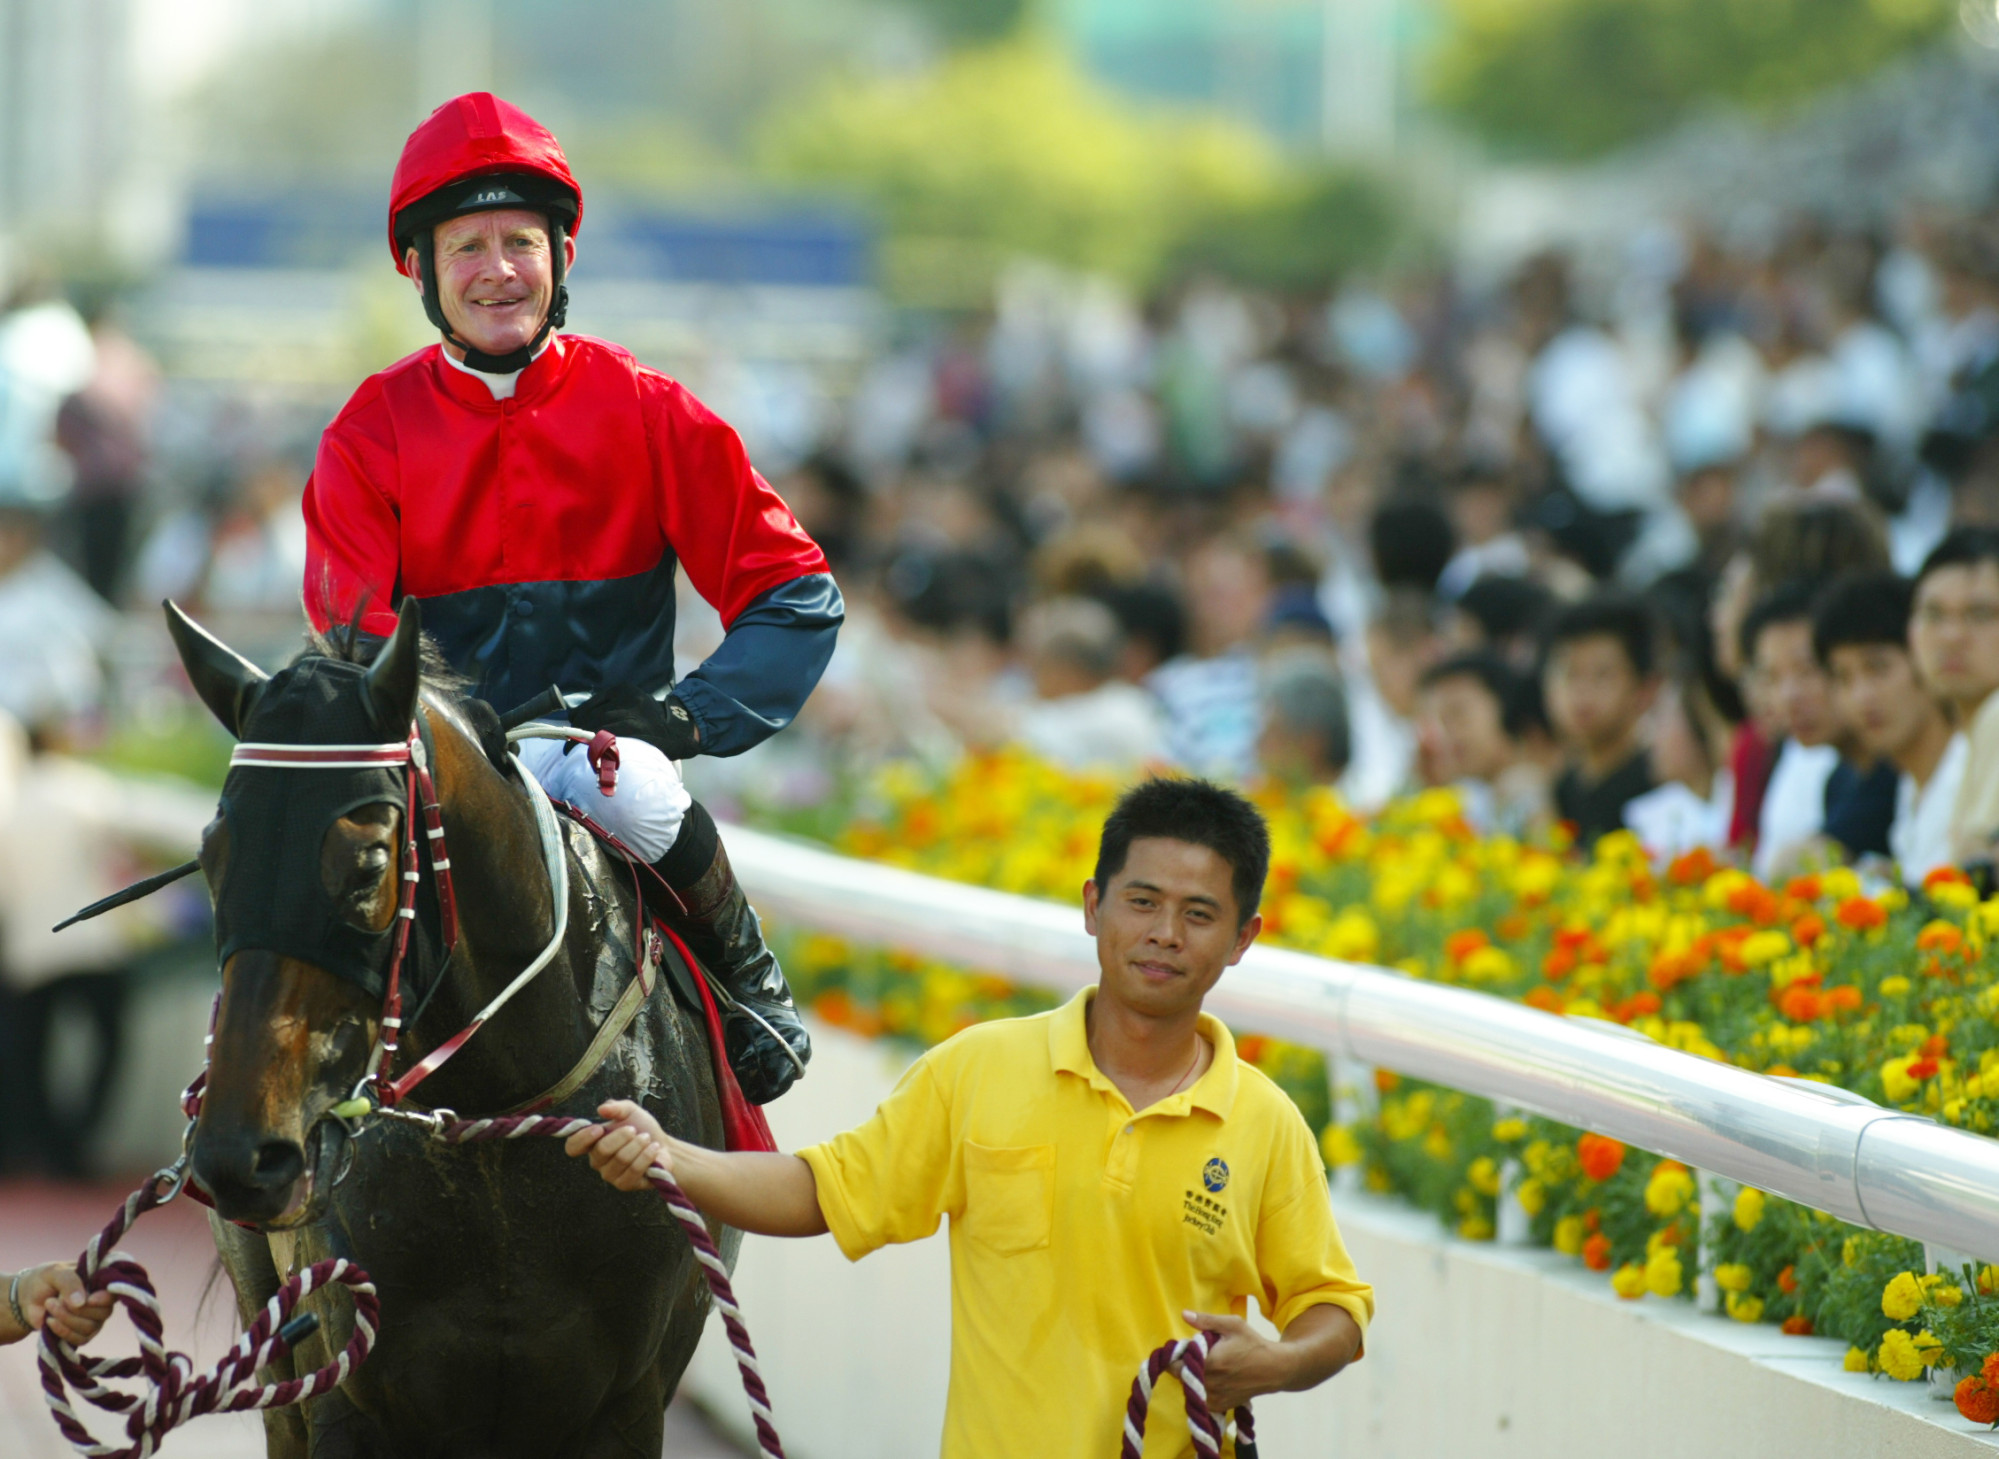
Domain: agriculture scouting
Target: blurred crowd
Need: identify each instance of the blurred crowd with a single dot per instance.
(1689, 540)
(1697, 539)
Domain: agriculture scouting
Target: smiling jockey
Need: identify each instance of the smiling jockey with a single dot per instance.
(534, 491)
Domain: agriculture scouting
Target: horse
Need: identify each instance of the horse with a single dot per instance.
(528, 1310)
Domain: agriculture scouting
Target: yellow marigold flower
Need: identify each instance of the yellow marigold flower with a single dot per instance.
(1759, 948)
(1944, 1294)
(1733, 1276)
(1629, 1281)
(1749, 1203)
(1899, 1084)
(1532, 1195)
(1953, 894)
(1353, 936)
(1475, 1228)
(1489, 964)
(1664, 1276)
(1744, 1308)
(1856, 1361)
(1669, 1190)
(1339, 1146)
(1437, 1144)
(1484, 1175)
(1509, 1130)
(1902, 1298)
(1894, 986)
(1899, 1357)
(1569, 1234)
(1849, 1251)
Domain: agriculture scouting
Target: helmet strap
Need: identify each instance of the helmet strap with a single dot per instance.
(478, 359)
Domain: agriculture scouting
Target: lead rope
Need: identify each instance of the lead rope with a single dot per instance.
(174, 1392)
(1186, 1359)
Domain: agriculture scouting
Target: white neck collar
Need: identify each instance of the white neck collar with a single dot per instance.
(502, 386)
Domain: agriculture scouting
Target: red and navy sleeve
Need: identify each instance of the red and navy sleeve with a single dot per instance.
(746, 554)
(353, 534)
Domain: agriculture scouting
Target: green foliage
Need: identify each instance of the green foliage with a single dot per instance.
(1844, 1281)
(971, 20)
(1010, 149)
(1573, 77)
(1304, 234)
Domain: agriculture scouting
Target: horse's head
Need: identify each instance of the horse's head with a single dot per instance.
(303, 866)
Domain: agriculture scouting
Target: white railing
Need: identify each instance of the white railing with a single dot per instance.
(1824, 1147)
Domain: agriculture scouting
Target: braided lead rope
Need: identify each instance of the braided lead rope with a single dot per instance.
(1186, 1359)
(561, 1127)
(174, 1392)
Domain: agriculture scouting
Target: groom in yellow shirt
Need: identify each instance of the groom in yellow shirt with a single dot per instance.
(1114, 1175)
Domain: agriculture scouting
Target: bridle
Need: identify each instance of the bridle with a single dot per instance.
(379, 1091)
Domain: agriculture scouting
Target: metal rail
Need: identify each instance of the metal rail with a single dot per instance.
(1829, 1150)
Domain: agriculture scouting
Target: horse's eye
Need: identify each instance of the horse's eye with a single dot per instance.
(374, 861)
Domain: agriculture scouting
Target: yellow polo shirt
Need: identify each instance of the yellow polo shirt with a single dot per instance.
(1079, 1231)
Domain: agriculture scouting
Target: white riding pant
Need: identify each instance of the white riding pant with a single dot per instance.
(649, 806)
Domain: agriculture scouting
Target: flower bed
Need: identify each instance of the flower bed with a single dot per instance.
(1823, 978)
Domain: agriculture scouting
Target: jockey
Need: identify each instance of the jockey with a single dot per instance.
(534, 491)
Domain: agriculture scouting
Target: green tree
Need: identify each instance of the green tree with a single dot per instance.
(1010, 149)
(971, 20)
(1570, 78)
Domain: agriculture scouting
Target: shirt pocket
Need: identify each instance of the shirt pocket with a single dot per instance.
(1009, 1196)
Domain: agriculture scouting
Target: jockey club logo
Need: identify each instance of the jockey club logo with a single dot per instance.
(1215, 1175)
(497, 195)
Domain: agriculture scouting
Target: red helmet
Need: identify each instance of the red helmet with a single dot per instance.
(472, 138)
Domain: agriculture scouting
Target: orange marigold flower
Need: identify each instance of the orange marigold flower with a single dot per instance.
(1923, 1069)
(1989, 1369)
(1545, 999)
(1797, 1325)
(1977, 1399)
(1843, 999)
(1944, 876)
(1463, 943)
(1861, 913)
(1558, 964)
(835, 1006)
(1787, 1280)
(1385, 1080)
(1252, 1047)
(1596, 1253)
(1939, 937)
(1936, 1046)
(1592, 1219)
(1756, 902)
(1808, 929)
(1600, 1156)
(1801, 1003)
(1693, 868)
(1637, 1006)
(1804, 888)
(1670, 969)
(1513, 926)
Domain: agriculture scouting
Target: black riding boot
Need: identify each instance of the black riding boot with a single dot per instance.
(767, 1044)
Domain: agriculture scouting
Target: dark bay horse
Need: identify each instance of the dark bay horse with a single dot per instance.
(528, 1310)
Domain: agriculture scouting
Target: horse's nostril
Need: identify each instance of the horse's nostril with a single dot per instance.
(276, 1164)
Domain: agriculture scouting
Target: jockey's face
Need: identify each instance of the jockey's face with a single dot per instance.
(495, 277)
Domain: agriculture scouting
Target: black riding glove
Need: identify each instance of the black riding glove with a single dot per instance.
(632, 713)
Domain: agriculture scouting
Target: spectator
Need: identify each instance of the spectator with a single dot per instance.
(1082, 715)
(1797, 696)
(1401, 642)
(1471, 718)
(1503, 614)
(1153, 623)
(1306, 738)
(1599, 683)
(1955, 634)
(1863, 634)
(1690, 806)
(52, 628)
(1210, 695)
(104, 429)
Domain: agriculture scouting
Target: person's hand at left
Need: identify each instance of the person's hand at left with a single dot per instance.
(1245, 1364)
(664, 724)
(53, 1296)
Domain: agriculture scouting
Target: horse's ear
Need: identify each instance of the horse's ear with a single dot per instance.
(393, 677)
(226, 681)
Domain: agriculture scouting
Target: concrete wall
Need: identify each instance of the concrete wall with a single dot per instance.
(1476, 1351)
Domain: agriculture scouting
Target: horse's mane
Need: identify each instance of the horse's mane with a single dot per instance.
(346, 643)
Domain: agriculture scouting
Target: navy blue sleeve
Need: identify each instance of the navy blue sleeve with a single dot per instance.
(754, 684)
